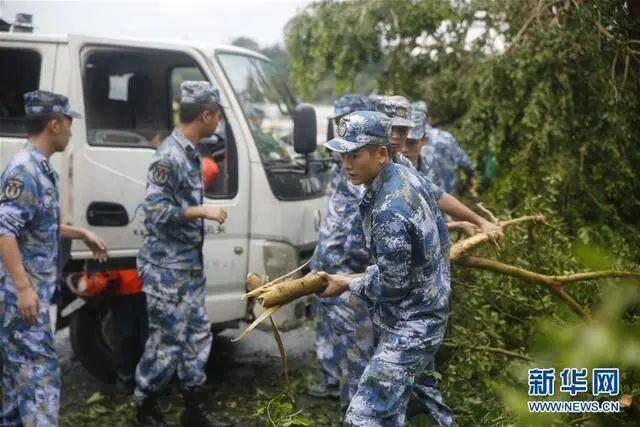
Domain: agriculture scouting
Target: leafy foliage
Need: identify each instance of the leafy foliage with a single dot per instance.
(551, 89)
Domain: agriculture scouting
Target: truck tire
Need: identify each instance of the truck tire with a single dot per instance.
(90, 331)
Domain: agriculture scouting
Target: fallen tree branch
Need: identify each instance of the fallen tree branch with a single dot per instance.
(255, 281)
(283, 357)
(263, 288)
(487, 212)
(497, 350)
(510, 270)
(260, 319)
(288, 291)
(458, 249)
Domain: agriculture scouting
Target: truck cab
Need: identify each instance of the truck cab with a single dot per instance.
(128, 94)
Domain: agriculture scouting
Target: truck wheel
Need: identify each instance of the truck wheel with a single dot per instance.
(91, 332)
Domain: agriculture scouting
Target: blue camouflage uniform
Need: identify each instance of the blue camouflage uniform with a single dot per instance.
(170, 263)
(398, 109)
(408, 287)
(341, 248)
(330, 255)
(417, 133)
(420, 106)
(432, 192)
(444, 155)
(29, 211)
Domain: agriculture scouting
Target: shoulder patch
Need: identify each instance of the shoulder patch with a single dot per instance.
(13, 189)
(159, 174)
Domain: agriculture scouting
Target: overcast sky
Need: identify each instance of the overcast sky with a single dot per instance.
(213, 21)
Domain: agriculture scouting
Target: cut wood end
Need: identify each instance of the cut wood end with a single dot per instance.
(626, 401)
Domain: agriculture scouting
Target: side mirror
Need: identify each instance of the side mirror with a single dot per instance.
(304, 129)
(330, 134)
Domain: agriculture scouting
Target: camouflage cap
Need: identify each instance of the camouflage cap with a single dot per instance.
(358, 129)
(44, 102)
(348, 104)
(256, 112)
(419, 120)
(397, 108)
(374, 98)
(420, 106)
(199, 92)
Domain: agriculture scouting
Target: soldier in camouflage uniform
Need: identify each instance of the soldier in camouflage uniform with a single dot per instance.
(420, 106)
(30, 232)
(398, 109)
(416, 139)
(408, 285)
(170, 263)
(341, 107)
(334, 254)
(414, 151)
(445, 155)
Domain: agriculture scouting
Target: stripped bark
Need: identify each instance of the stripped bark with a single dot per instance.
(288, 291)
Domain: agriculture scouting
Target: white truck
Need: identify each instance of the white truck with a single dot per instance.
(127, 92)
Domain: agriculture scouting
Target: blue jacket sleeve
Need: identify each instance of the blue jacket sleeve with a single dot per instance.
(163, 181)
(18, 201)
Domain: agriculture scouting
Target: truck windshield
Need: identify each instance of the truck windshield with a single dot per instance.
(267, 105)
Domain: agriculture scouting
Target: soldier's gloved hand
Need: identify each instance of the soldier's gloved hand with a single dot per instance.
(337, 284)
(97, 245)
(494, 231)
(28, 304)
(214, 213)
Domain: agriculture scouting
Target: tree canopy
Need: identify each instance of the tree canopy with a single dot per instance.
(551, 90)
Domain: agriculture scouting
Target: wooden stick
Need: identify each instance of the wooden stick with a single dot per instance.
(254, 281)
(260, 319)
(490, 214)
(263, 288)
(283, 357)
(510, 270)
(467, 244)
(288, 291)
(497, 350)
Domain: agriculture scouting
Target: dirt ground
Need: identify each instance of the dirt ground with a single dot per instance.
(244, 384)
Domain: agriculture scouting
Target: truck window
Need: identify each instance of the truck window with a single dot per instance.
(267, 104)
(19, 73)
(219, 157)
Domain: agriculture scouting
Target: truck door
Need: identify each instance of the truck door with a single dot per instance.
(129, 93)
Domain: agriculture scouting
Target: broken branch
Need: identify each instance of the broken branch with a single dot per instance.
(467, 244)
(288, 291)
(510, 270)
(497, 350)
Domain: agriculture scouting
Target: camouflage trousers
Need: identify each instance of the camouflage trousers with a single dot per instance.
(344, 342)
(359, 341)
(179, 333)
(328, 342)
(393, 376)
(30, 369)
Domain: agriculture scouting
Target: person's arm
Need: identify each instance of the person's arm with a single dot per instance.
(161, 207)
(17, 209)
(28, 302)
(388, 279)
(94, 242)
(452, 206)
(206, 212)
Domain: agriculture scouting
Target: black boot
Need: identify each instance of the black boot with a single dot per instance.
(195, 415)
(148, 413)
